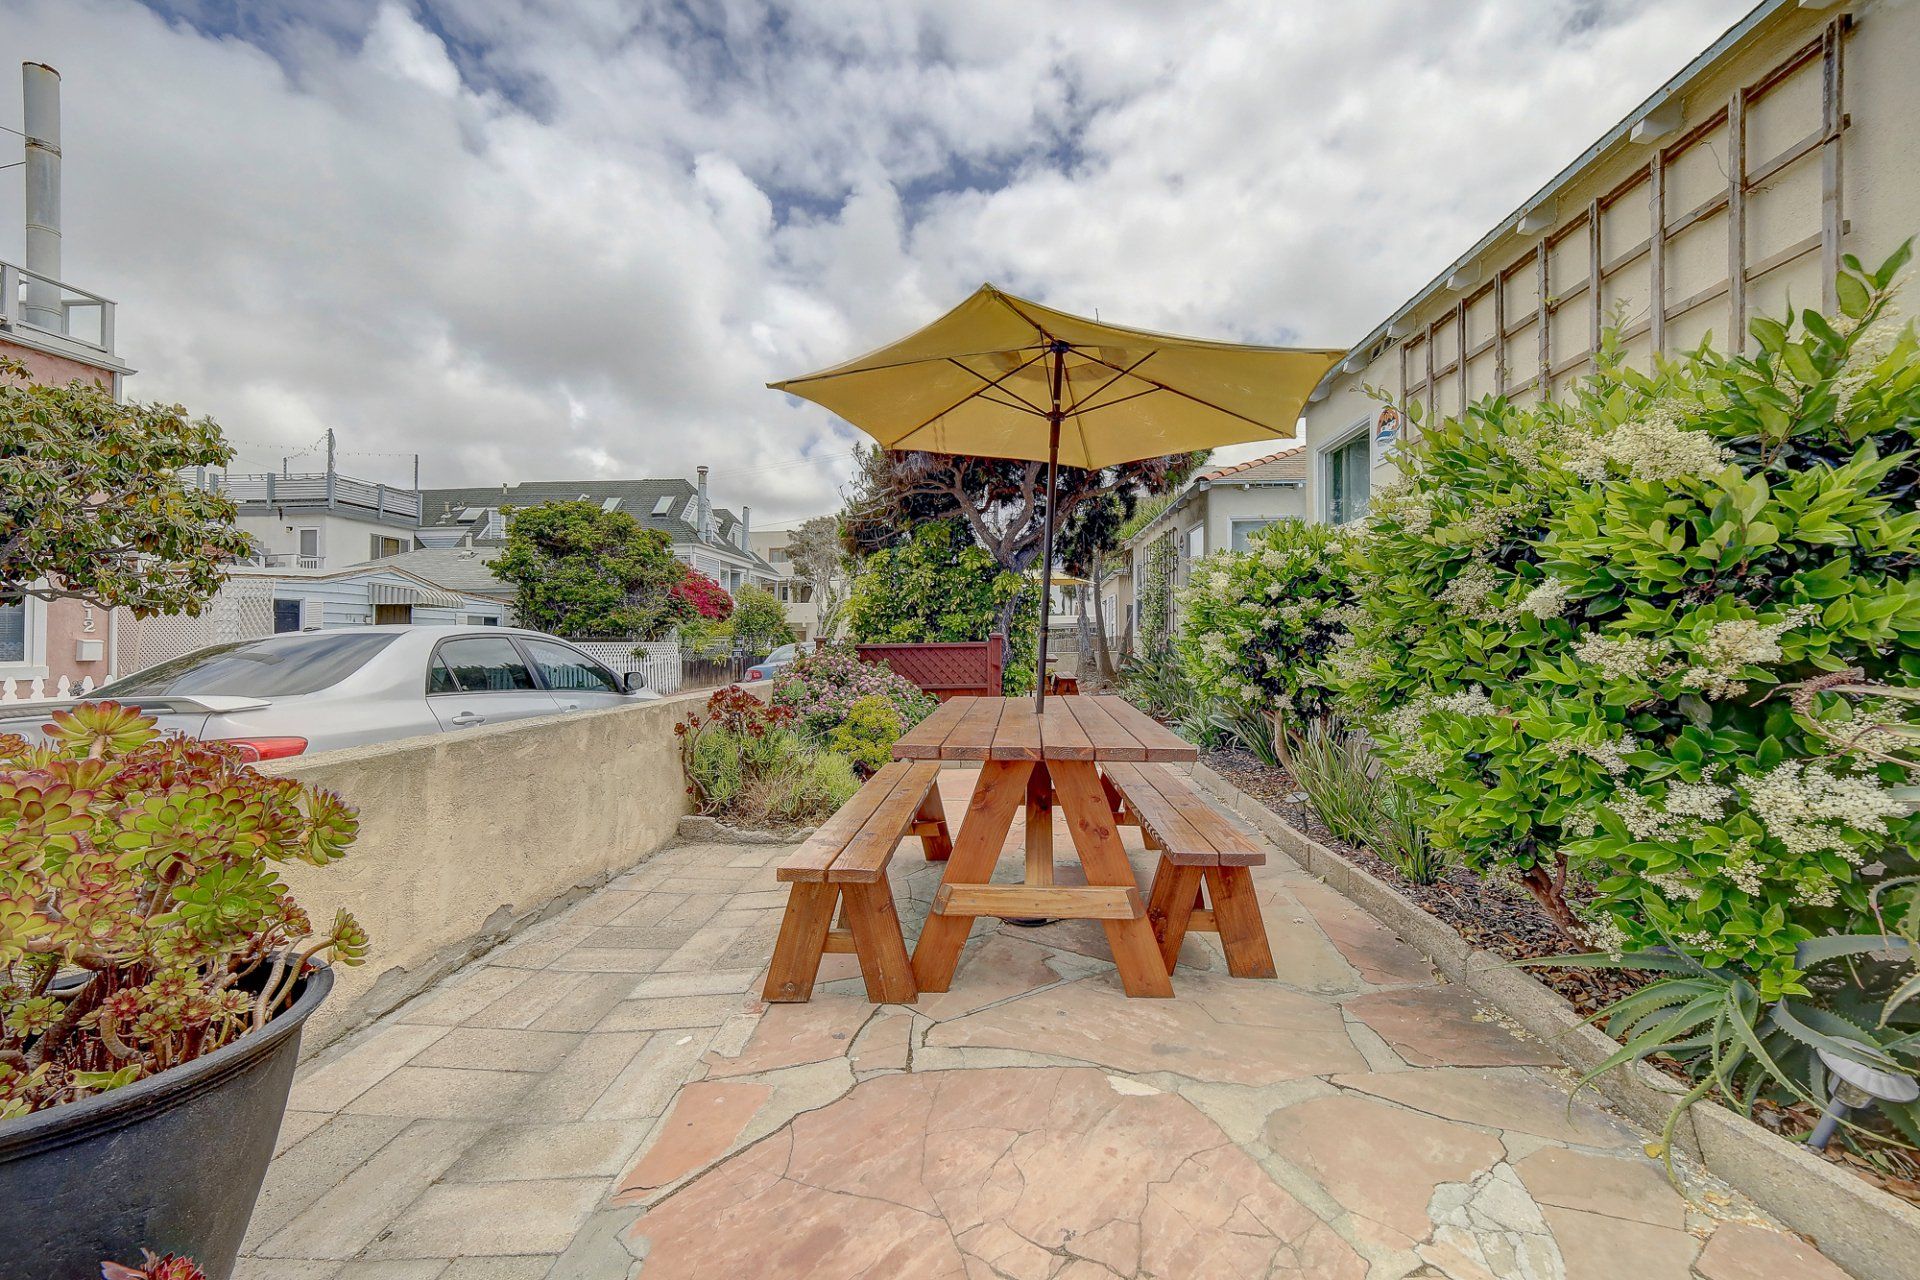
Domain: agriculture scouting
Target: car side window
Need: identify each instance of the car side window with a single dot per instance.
(565, 668)
(480, 664)
(440, 677)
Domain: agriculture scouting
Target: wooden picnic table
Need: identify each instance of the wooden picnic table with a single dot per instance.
(1040, 760)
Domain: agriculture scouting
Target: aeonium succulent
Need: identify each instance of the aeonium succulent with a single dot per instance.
(142, 921)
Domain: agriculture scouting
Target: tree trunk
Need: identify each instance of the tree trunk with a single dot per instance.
(1550, 891)
(1102, 655)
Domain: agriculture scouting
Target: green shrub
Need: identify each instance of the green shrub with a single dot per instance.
(746, 764)
(1400, 839)
(867, 735)
(938, 587)
(1578, 620)
(1255, 624)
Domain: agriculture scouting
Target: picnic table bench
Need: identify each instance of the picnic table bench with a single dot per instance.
(844, 863)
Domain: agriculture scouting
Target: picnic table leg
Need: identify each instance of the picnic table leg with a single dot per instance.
(1136, 953)
(803, 937)
(996, 798)
(1039, 826)
(930, 823)
(1176, 894)
(888, 973)
(1236, 918)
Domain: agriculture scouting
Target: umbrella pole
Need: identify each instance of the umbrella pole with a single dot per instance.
(1046, 555)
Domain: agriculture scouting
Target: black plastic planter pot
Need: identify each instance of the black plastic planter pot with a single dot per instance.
(172, 1164)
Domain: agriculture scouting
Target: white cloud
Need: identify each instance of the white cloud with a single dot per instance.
(533, 238)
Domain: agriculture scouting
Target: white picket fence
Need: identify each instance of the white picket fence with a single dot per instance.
(657, 660)
(38, 690)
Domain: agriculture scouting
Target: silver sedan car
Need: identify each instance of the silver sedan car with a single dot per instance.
(291, 694)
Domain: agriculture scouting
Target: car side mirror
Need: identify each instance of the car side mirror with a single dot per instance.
(633, 682)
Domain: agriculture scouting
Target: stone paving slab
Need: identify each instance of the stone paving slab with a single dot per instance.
(606, 1098)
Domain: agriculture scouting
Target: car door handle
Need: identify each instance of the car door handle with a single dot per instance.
(569, 706)
(468, 717)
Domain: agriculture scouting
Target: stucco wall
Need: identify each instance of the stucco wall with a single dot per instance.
(467, 837)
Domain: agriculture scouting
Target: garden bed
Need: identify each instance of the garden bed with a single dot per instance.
(1488, 913)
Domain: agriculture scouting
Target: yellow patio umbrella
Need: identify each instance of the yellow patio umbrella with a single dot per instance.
(1001, 377)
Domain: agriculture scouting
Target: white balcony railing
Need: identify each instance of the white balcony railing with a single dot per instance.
(34, 303)
(320, 489)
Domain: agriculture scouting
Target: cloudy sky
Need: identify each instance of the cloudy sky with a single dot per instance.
(540, 239)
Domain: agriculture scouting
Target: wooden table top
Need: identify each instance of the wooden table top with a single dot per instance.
(1073, 727)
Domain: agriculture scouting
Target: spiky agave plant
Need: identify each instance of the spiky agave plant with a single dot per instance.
(142, 919)
(1744, 1049)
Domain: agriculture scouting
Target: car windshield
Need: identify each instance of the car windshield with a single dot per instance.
(278, 667)
(783, 654)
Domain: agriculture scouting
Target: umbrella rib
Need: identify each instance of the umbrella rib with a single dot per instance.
(1083, 407)
(828, 374)
(1217, 408)
(992, 384)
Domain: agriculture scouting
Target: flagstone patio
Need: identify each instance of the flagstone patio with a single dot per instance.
(607, 1097)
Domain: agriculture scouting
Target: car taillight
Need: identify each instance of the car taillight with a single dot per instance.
(267, 748)
(754, 673)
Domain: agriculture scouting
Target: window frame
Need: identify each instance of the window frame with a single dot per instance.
(525, 645)
(1359, 433)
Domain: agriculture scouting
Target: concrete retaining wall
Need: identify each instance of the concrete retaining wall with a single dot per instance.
(1873, 1234)
(466, 838)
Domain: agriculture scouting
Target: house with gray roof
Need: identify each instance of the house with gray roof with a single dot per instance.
(710, 539)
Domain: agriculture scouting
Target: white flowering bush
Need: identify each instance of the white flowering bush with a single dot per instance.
(1255, 624)
(1579, 622)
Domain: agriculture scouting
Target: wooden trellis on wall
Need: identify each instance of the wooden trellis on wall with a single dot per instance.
(1632, 249)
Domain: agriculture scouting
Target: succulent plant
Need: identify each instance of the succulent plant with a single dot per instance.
(154, 1267)
(142, 919)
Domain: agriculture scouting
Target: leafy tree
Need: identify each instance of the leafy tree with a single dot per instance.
(759, 620)
(92, 506)
(937, 587)
(1001, 502)
(820, 561)
(1083, 545)
(581, 571)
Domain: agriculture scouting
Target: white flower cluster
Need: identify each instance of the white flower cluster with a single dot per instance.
(1720, 660)
(1622, 657)
(1810, 808)
(1654, 446)
(1678, 817)
(1548, 600)
(1469, 588)
(1609, 755)
(1863, 360)
(1404, 724)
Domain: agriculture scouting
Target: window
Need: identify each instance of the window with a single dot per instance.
(286, 615)
(278, 667)
(481, 664)
(384, 546)
(480, 620)
(1349, 477)
(565, 668)
(665, 503)
(13, 631)
(309, 542)
(1243, 530)
(1196, 542)
(610, 504)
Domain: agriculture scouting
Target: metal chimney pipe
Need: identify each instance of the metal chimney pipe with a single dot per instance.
(40, 90)
(703, 510)
(746, 521)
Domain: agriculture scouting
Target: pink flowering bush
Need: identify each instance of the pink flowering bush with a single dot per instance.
(822, 687)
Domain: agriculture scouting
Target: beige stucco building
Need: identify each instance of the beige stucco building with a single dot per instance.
(1737, 186)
